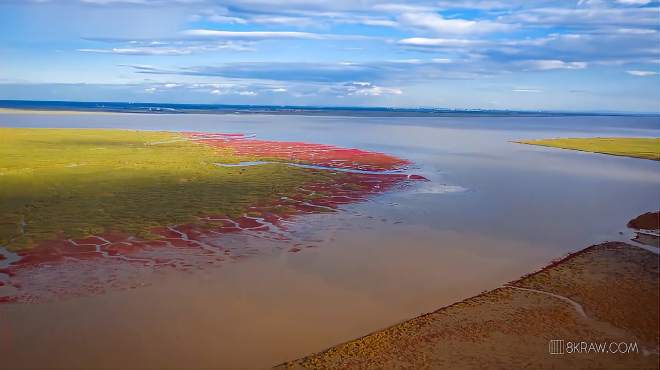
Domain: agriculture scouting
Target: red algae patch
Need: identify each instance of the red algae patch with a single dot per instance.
(299, 152)
(62, 268)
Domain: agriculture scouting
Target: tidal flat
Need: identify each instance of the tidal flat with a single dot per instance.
(606, 292)
(75, 199)
(491, 211)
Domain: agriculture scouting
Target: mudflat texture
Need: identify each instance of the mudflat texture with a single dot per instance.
(614, 282)
(646, 221)
(606, 293)
(647, 148)
(647, 228)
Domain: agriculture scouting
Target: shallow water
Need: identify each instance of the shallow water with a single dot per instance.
(493, 210)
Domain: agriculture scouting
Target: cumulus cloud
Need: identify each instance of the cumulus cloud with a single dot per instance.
(584, 17)
(441, 25)
(319, 48)
(245, 89)
(376, 91)
(254, 89)
(363, 88)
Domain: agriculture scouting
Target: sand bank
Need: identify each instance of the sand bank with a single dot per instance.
(605, 295)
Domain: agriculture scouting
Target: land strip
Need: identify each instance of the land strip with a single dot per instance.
(645, 148)
(605, 296)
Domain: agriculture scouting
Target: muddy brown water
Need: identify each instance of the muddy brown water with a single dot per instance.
(493, 211)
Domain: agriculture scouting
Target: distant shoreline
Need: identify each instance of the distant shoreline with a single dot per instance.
(643, 148)
(56, 107)
(48, 111)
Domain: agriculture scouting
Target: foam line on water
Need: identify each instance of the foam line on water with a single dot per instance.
(311, 166)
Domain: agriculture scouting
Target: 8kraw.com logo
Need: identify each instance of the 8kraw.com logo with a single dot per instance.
(561, 347)
(556, 346)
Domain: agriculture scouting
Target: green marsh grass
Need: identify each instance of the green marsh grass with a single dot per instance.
(77, 182)
(647, 148)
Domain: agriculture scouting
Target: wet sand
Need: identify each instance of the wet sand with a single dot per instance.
(647, 228)
(606, 293)
(647, 221)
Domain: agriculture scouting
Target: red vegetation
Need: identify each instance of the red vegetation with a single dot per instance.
(92, 265)
(298, 152)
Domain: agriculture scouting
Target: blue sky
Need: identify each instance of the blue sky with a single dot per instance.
(601, 55)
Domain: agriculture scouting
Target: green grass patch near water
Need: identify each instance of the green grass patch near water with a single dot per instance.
(646, 148)
(77, 182)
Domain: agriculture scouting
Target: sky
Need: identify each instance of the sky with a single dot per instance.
(572, 55)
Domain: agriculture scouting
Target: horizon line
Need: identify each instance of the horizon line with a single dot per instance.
(419, 109)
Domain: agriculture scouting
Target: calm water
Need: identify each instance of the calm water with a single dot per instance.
(494, 210)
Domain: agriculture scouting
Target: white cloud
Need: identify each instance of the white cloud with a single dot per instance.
(158, 50)
(438, 42)
(441, 25)
(281, 20)
(549, 64)
(139, 51)
(633, 2)
(584, 17)
(368, 89)
(639, 73)
(377, 22)
(217, 18)
(108, 2)
(441, 60)
(637, 31)
(403, 8)
(253, 35)
(527, 90)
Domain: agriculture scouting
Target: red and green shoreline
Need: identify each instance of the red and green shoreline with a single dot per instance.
(46, 268)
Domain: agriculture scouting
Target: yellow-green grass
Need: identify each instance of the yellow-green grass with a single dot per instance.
(73, 183)
(647, 148)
